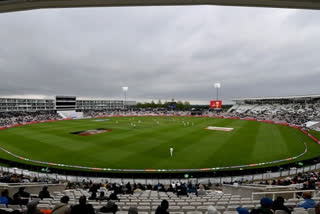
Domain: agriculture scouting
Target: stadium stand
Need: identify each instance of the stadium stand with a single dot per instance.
(122, 191)
(294, 109)
(290, 113)
(147, 200)
(19, 117)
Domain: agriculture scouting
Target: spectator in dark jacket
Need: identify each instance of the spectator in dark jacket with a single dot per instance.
(82, 207)
(44, 193)
(265, 208)
(317, 208)
(278, 204)
(102, 197)
(110, 207)
(133, 210)
(21, 197)
(163, 208)
(113, 196)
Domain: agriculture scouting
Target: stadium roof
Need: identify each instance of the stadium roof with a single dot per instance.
(18, 5)
(280, 98)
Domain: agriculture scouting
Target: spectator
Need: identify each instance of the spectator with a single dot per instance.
(278, 204)
(21, 197)
(265, 208)
(317, 208)
(44, 193)
(102, 197)
(5, 193)
(242, 210)
(62, 207)
(82, 207)
(307, 202)
(201, 191)
(32, 207)
(110, 207)
(163, 208)
(133, 210)
(93, 196)
(113, 196)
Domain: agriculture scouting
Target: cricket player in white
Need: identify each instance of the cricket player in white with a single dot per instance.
(171, 152)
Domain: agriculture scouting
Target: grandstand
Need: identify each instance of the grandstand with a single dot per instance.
(18, 104)
(291, 109)
(184, 197)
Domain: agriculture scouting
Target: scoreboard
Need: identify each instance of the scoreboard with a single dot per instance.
(216, 104)
(172, 105)
(65, 103)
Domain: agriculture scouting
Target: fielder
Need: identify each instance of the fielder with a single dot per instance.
(171, 151)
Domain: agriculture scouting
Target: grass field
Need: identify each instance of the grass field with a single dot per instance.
(147, 145)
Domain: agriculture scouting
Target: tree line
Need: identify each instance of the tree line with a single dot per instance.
(180, 105)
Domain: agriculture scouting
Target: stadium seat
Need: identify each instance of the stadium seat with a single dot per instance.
(311, 211)
(300, 212)
(280, 212)
(193, 212)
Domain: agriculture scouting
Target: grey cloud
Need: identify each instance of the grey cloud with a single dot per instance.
(160, 52)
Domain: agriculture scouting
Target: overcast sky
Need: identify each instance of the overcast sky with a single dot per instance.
(160, 52)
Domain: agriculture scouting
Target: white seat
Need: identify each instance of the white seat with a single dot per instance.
(15, 207)
(311, 210)
(194, 212)
(143, 208)
(280, 212)
(44, 206)
(174, 208)
(300, 212)
(7, 209)
(175, 212)
(188, 208)
(220, 208)
(232, 207)
(230, 212)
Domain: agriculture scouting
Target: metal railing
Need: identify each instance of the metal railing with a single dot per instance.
(280, 193)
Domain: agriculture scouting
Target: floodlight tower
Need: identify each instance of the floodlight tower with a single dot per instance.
(125, 89)
(217, 86)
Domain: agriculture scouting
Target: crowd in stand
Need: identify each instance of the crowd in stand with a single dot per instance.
(290, 113)
(161, 111)
(181, 189)
(306, 181)
(301, 181)
(267, 205)
(9, 118)
(7, 177)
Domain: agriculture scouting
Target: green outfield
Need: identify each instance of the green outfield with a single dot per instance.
(144, 143)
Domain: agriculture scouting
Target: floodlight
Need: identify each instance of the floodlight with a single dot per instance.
(217, 85)
(125, 88)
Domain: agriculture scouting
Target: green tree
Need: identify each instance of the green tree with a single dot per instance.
(186, 105)
(152, 104)
(180, 105)
(165, 104)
